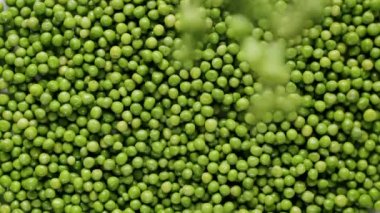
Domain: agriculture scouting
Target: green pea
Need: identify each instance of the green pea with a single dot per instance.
(370, 115)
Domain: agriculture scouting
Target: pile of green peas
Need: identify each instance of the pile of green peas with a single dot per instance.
(98, 113)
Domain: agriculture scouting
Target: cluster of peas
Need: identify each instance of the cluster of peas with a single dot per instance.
(99, 114)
